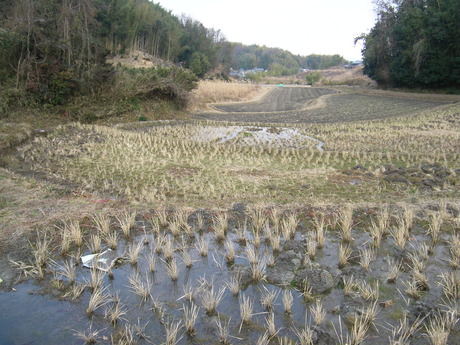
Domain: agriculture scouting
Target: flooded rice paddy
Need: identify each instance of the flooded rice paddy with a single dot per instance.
(162, 271)
(255, 135)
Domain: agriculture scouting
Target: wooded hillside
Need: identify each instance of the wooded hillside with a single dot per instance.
(53, 49)
(278, 61)
(415, 43)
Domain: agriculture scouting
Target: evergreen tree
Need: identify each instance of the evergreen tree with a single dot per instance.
(415, 43)
(199, 64)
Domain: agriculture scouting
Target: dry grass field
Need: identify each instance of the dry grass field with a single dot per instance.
(334, 76)
(176, 163)
(323, 105)
(213, 91)
(351, 77)
(316, 216)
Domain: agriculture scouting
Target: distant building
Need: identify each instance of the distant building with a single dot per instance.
(236, 73)
(353, 64)
(241, 73)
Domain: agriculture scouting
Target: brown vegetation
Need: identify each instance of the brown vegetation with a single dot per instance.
(216, 91)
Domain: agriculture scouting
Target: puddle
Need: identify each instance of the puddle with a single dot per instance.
(280, 137)
(28, 317)
(37, 313)
(255, 135)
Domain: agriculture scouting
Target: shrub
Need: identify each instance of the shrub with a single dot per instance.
(254, 77)
(159, 82)
(11, 97)
(199, 64)
(313, 77)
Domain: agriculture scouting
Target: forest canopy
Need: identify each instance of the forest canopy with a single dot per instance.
(279, 61)
(415, 43)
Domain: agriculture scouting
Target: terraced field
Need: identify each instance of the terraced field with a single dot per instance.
(295, 105)
(333, 220)
(279, 99)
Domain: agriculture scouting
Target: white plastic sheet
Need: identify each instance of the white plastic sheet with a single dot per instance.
(103, 261)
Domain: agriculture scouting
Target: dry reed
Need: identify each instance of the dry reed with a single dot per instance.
(211, 298)
(190, 317)
(212, 91)
(287, 299)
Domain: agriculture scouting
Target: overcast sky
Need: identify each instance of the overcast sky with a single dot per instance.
(301, 26)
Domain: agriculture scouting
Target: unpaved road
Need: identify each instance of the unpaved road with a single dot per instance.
(320, 105)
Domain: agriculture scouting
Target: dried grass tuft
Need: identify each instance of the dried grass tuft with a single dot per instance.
(127, 220)
(190, 317)
(211, 298)
(318, 312)
(346, 223)
(172, 329)
(344, 254)
(89, 336)
(98, 299)
(223, 330)
(450, 283)
(172, 269)
(268, 298)
(234, 284)
(246, 310)
(140, 287)
(202, 246)
(287, 299)
(134, 249)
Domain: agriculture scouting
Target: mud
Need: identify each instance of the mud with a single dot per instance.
(256, 135)
(25, 307)
(427, 177)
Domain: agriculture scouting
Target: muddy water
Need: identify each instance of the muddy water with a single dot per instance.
(35, 313)
(30, 317)
(240, 135)
(256, 135)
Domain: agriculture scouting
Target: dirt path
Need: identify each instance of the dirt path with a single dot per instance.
(321, 105)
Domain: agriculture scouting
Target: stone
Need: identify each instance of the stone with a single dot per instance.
(396, 178)
(321, 337)
(359, 167)
(350, 319)
(296, 262)
(245, 276)
(320, 280)
(279, 276)
(295, 246)
(288, 260)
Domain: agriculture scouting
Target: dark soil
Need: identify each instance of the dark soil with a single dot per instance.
(280, 99)
(339, 107)
(427, 177)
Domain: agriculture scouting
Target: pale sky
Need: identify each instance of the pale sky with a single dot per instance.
(301, 26)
